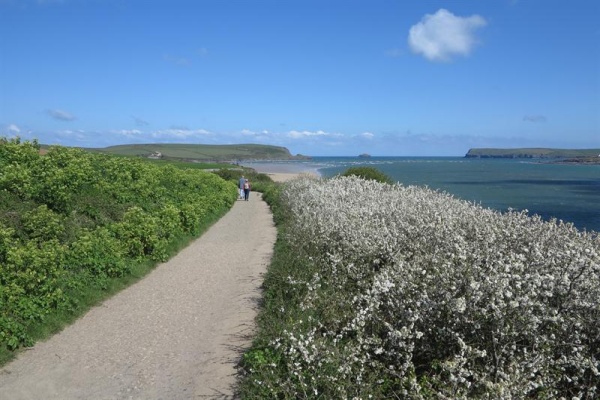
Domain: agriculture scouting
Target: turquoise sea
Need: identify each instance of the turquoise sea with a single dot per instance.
(567, 192)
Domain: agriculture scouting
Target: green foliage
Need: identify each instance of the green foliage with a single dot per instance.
(230, 174)
(258, 180)
(139, 233)
(368, 173)
(59, 175)
(73, 221)
(98, 253)
(259, 358)
(15, 159)
(43, 224)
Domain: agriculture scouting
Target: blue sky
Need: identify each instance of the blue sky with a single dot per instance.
(320, 77)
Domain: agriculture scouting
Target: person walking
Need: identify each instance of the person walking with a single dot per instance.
(241, 183)
(246, 190)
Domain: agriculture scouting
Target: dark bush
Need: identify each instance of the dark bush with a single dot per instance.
(234, 175)
(368, 173)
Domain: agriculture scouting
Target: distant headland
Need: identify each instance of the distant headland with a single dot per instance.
(579, 156)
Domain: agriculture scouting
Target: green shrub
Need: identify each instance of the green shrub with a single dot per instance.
(99, 253)
(234, 175)
(368, 173)
(43, 224)
(230, 174)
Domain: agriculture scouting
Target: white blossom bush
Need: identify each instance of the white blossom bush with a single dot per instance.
(411, 293)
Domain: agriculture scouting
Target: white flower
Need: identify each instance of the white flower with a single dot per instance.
(390, 263)
(460, 304)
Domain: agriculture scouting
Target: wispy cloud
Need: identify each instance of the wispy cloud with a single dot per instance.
(179, 128)
(535, 118)
(263, 136)
(308, 134)
(78, 134)
(130, 133)
(140, 121)
(61, 115)
(13, 129)
(443, 35)
(179, 61)
(173, 133)
(248, 132)
(179, 133)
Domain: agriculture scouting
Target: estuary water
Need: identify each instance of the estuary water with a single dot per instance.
(567, 192)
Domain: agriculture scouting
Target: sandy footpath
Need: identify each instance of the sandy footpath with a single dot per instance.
(176, 334)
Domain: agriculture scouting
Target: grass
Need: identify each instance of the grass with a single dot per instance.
(276, 296)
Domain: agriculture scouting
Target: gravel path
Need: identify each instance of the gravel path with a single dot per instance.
(176, 334)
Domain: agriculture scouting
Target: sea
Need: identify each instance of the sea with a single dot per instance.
(567, 192)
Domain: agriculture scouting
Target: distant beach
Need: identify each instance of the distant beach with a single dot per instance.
(281, 171)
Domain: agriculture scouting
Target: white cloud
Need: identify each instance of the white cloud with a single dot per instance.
(70, 134)
(127, 132)
(248, 132)
(367, 135)
(441, 36)
(306, 134)
(263, 136)
(13, 129)
(61, 115)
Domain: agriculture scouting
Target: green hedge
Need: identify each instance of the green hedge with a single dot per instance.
(72, 220)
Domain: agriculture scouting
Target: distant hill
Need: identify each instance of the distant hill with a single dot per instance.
(202, 152)
(533, 153)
